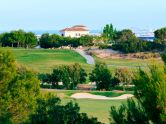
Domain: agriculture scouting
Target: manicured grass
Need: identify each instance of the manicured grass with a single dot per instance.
(111, 94)
(95, 108)
(44, 60)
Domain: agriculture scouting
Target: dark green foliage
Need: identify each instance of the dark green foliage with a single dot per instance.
(50, 111)
(127, 42)
(115, 82)
(19, 88)
(109, 32)
(30, 40)
(18, 38)
(164, 58)
(132, 113)
(86, 40)
(150, 90)
(55, 77)
(44, 41)
(77, 74)
(102, 76)
(68, 41)
(65, 77)
(50, 41)
(45, 78)
(125, 35)
(160, 36)
(70, 75)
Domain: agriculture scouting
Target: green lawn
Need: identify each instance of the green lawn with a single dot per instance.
(110, 94)
(44, 60)
(95, 108)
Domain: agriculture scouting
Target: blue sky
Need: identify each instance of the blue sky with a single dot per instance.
(57, 14)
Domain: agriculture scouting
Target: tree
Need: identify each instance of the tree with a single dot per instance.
(77, 74)
(150, 93)
(51, 111)
(70, 75)
(124, 75)
(49, 41)
(44, 78)
(55, 40)
(65, 76)
(160, 36)
(130, 113)
(126, 41)
(5, 39)
(125, 35)
(109, 32)
(163, 56)
(102, 76)
(19, 88)
(19, 37)
(68, 41)
(44, 41)
(86, 40)
(55, 77)
(150, 90)
(1, 36)
(30, 39)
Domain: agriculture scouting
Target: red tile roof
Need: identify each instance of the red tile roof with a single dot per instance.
(82, 26)
(75, 28)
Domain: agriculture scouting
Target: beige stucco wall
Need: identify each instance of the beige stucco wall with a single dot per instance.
(75, 33)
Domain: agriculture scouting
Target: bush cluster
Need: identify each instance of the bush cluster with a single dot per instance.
(50, 41)
(18, 38)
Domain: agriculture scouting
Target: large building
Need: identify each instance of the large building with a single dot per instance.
(75, 31)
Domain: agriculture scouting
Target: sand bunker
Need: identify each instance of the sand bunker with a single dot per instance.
(91, 96)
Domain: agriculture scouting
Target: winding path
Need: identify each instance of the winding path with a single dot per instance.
(89, 59)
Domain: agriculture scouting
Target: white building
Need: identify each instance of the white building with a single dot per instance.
(75, 31)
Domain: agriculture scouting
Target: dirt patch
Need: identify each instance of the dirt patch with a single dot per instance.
(108, 53)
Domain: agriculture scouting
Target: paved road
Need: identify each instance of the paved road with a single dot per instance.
(89, 59)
